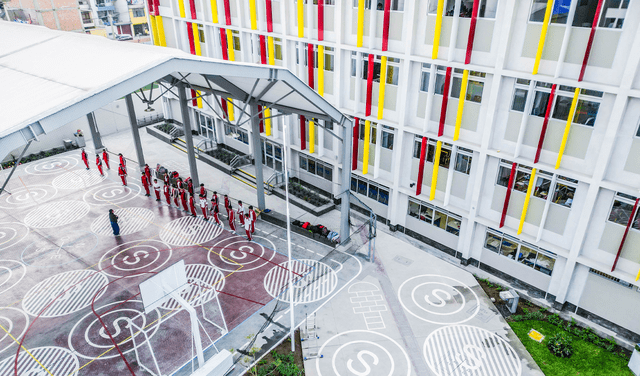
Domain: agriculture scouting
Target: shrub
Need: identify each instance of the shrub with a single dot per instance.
(535, 316)
(560, 345)
(609, 344)
(555, 319)
(517, 317)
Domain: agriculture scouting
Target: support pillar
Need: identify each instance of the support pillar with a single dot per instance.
(95, 134)
(347, 134)
(186, 121)
(133, 122)
(257, 154)
(13, 169)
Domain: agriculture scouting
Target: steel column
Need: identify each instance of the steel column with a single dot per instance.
(133, 122)
(347, 134)
(95, 134)
(257, 154)
(15, 166)
(186, 121)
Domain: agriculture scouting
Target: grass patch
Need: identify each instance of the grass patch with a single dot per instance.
(587, 359)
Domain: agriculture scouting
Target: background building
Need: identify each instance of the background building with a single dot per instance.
(530, 112)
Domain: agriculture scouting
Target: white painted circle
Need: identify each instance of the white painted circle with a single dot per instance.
(89, 339)
(11, 273)
(54, 251)
(56, 214)
(56, 361)
(65, 293)
(313, 281)
(15, 323)
(78, 179)
(11, 233)
(240, 255)
(27, 196)
(464, 350)
(133, 258)
(189, 231)
(130, 220)
(112, 193)
(204, 283)
(438, 299)
(52, 166)
(366, 353)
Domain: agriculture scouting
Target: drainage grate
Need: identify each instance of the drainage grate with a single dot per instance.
(403, 260)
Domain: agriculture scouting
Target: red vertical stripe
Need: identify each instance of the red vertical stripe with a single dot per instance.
(592, 35)
(263, 50)
(543, 131)
(269, 16)
(626, 231)
(303, 133)
(227, 12)
(320, 19)
(192, 7)
(445, 101)
(369, 85)
(194, 101)
(192, 44)
(223, 44)
(260, 117)
(224, 108)
(356, 135)
(156, 7)
(150, 4)
(423, 153)
(310, 64)
(385, 25)
(512, 176)
(472, 30)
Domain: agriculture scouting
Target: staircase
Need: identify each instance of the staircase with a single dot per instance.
(245, 176)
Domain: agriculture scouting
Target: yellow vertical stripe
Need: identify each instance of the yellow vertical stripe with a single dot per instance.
(232, 54)
(267, 122)
(312, 137)
(436, 33)
(181, 7)
(252, 13)
(321, 69)
(154, 30)
(360, 26)
(638, 275)
(230, 109)
(565, 136)
(543, 35)
(365, 147)
(461, 99)
(436, 167)
(214, 11)
(196, 39)
(383, 85)
(160, 26)
(301, 18)
(532, 180)
(199, 100)
(272, 52)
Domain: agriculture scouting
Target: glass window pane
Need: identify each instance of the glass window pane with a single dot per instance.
(320, 169)
(545, 264)
(426, 214)
(354, 184)
(312, 166)
(562, 107)
(303, 163)
(414, 209)
(463, 163)
(383, 196)
(585, 12)
(431, 152)
(563, 195)
(503, 176)
(417, 146)
(453, 226)
(538, 10)
(270, 162)
(522, 181)
(424, 82)
(620, 212)
(586, 112)
(509, 248)
(373, 192)
(540, 102)
(522, 81)
(445, 157)
(440, 220)
(541, 189)
(527, 256)
(492, 242)
(362, 187)
(454, 89)
(269, 149)
(440, 83)
(474, 91)
(278, 152)
(328, 173)
(488, 8)
(519, 100)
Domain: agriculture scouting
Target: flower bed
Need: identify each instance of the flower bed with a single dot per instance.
(37, 156)
(306, 194)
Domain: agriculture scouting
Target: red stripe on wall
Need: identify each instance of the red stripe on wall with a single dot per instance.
(592, 35)
(385, 25)
(512, 176)
(543, 131)
(156, 6)
(472, 30)
(263, 50)
(192, 44)
(320, 19)
(303, 133)
(269, 16)
(356, 135)
(260, 117)
(445, 101)
(223, 44)
(369, 85)
(150, 4)
(423, 153)
(310, 64)
(224, 108)
(626, 231)
(194, 101)
(227, 12)
(192, 7)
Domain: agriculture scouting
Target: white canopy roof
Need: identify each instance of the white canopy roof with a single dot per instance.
(49, 78)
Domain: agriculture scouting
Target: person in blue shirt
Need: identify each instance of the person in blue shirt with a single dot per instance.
(113, 218)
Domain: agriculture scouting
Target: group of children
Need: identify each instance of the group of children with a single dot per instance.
(122, 167)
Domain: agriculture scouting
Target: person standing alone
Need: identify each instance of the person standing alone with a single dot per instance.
(113, 218)
(156, 189)
(122, 171)
(85, 158)
(99, 164)
(247, 226)
(145, 184)
(105, 158)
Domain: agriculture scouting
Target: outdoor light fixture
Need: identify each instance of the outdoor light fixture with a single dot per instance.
(149, 108)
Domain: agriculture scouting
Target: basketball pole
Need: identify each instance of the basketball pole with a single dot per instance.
(286, 194)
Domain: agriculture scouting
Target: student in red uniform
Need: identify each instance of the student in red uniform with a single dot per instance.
(190, 186)
(85, 159)
(156, 189)
(99, 164)
(240, 212)
(192, 206)
(179, 182)
(253, 217)
(122, 171)
(232, 222)
(175, 192)
(227, 204)
(203, 207)
(215, 211)
(247, 226)
(167, 180)
(147, 171)
(105, 158)
(183, 198)
(145, 184)
(167, 193)
(214, 199)
(203, 191)
(122, 160)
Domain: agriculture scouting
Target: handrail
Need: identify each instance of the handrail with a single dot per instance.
(205, 141)
(239, 160)
(278, 176)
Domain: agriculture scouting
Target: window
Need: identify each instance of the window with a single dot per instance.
(445, 153)
(370, 189)
(237, 133)
(487, 8)
(277, 48)
(475, 84)
(542, 185)
(559, 12)
(463, 160)
(316, 167)
(86, 17)
(586, 108)
(435, 216)
(424, 80)
(328, 58)
(564, 191)
(236, 40)
(387, 137)
(201, 33)
(522, 176)
(372, 134)
(354, 63)
(417, 147)
(638, 131)
(522, 180)
(622, 209)
(138, 12)
(519, 251)
(611, 278)
(612, 14)
(396, 5)
(393, 69)
(541, 99)
(520, 93)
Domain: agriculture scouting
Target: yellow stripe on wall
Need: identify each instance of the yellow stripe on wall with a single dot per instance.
(199, 99)
(365, 147)
(272, 52)
(525, 207)
(312, 137)
(360, 31)
(214, 11)
(160, 26)
(181, 7)
(154, 30)
(436, 167)
(436, 34)
(267, 122)
(301, 18)
(232, 54)
(252, 12)
(321, 69)
(196, 39)
(565, 136)
(230, 109)
(383, 85)
(461, 99)
(543, 35)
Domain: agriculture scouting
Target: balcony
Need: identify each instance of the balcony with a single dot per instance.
(105, 6)
(135, 3)
(84, 5)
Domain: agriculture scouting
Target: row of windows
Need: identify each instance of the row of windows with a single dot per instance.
(487, 8)
(236, 132)
(396, 5)
(435, 216)
(393, 67)
(517, 250)
(475, 84)
(329, 57)
(563, 191)
(370, 189)
(463, 156)
(612, 13)
(387, 134)
(316, 167)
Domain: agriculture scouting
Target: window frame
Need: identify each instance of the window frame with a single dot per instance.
(444, 13)
(368, 183)
(424, 207)
(319, 165)
(519, 244)
(464, 153)
(475, 76)
(622, 197)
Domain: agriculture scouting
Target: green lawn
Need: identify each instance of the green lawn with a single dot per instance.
(587, 359)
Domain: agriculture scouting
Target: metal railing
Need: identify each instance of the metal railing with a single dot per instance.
(276, 180)
(146, 121)
(205, 146)
(370, 226)
(239, 161)
(176, 131)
